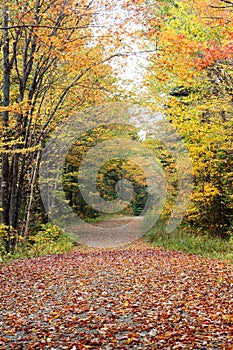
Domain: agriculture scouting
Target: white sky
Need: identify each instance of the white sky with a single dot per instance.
(127, 68)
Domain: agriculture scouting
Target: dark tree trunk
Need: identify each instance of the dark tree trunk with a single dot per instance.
(5, 120)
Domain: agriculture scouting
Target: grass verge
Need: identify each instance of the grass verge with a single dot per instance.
(187, 242)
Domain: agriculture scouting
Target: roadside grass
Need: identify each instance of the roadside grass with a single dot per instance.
(105, 217)
(50, 240)
(198, 244)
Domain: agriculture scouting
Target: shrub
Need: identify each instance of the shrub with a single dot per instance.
(50, 240)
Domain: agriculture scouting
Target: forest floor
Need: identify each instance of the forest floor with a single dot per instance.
(135, 297)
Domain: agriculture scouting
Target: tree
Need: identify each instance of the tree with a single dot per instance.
(192, 68)
(54, 63)
(108, 176)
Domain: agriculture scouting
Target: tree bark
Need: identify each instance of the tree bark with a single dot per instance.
(5, 121)
(31, 196)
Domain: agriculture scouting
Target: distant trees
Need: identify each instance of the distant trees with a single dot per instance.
(108, 176)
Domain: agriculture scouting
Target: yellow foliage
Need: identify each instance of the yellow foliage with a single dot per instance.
(192, 75)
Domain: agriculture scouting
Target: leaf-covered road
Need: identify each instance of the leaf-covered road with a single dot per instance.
(117, 299)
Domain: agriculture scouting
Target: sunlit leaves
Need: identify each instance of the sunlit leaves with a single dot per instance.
(191, 75)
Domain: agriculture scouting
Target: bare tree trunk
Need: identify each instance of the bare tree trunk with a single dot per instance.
(25, 232)
(5, 121)
(13, 191)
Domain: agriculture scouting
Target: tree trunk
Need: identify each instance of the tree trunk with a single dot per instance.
(5, 123)
(31, 196)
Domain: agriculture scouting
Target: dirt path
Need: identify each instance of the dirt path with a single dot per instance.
(112, 233)
(132, 297)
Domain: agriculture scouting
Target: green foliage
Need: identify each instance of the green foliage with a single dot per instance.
(186, 240)
(48, 240)
(9, 239)
(108, 176)
(3, 238)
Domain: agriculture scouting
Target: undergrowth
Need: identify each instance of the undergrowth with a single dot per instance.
(49, 239)
(186, 241)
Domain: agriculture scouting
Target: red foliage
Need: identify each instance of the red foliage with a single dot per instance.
(214, 53)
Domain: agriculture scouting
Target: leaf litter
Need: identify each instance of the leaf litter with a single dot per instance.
(132, 298)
